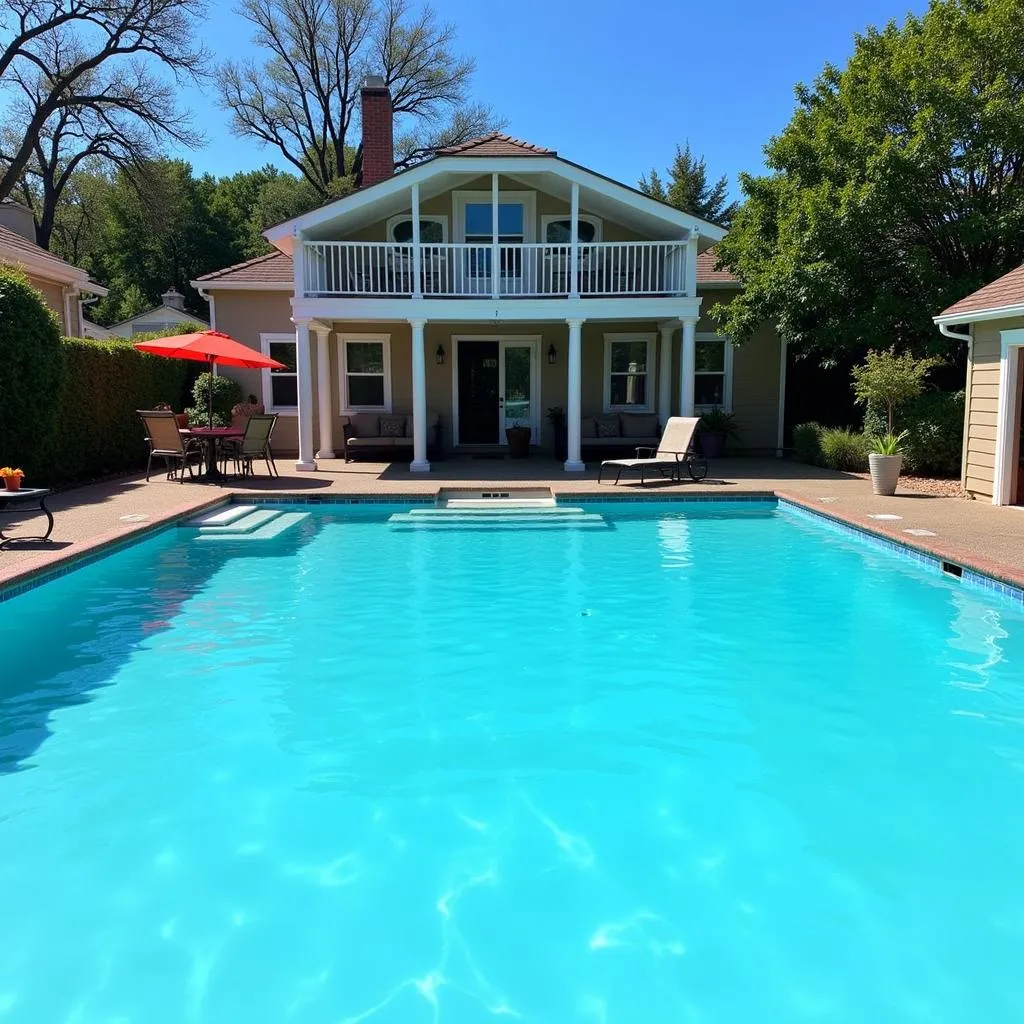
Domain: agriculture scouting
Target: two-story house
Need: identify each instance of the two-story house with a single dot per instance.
(479, 289)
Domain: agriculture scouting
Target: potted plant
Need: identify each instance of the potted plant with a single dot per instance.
(885, 461)
(887, 380)
(11, 477)
(556, 417)
(518, 436)
(716, 427)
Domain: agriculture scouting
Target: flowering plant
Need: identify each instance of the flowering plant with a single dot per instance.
(6, 471)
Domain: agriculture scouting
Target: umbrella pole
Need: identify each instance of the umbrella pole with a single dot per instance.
(209, 393)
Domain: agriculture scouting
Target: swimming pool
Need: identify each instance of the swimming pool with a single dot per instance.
(702, 763)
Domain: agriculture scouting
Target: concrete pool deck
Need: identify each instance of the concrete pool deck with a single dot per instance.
(968, 533)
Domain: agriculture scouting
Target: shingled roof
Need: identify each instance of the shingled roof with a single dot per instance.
(495, 144)
(13, 247)
(707, 272)
(273, 269)
(276, 269)
(1005, 291)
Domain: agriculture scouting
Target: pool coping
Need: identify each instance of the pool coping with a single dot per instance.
(974, 569)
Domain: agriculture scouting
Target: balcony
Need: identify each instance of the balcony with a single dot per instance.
(466, 270)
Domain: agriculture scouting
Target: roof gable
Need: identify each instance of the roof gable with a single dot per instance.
(495, 144)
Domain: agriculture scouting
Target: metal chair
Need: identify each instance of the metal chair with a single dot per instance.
(253, 444)
(166, 441)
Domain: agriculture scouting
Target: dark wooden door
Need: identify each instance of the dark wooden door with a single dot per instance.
(478, 392)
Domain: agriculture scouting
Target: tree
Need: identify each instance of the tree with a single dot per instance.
(896, 188)
(888, 380)
(302, 100)
(84, 79)
(688, 188)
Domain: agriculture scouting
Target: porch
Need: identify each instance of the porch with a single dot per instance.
(410, 390)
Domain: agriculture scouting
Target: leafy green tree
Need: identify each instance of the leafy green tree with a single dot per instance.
(896, 188)
(887, 380)
(688, 188)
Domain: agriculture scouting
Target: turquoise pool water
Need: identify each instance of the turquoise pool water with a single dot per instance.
(708, 765)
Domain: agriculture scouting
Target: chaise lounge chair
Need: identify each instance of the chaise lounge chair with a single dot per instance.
(674, 451)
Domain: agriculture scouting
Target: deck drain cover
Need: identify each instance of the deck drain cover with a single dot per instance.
(135, 517)
(884, 515)
(916, 532)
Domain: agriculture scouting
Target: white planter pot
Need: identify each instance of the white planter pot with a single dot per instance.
(885, 472)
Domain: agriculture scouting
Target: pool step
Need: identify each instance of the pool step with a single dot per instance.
(273, 526)
(520, 497)
(255, 518)
(524, 518)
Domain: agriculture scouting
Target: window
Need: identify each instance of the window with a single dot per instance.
(365, 366)
(433, 230)
(511, 222)
(280, 387)
(558, 230)
(712, 380)
(628, 359)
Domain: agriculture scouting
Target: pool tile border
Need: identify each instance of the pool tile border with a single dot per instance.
(974, 571)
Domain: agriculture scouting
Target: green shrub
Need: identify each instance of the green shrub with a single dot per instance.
(102, 385)
(844, 450)
(30, 371)
(934, 425)
(807, 442)
(227, 393)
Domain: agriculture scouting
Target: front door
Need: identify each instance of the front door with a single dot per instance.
(478, 380)
(1017, 493)
(497, 388)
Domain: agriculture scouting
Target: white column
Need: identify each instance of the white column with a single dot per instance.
(419, 400)
(574, 241)
(687, 365)
(573, 405)
(417, 259)
(665, 374)
(690, 275)
(495, 269)
(304, 368)
(780, 442)
(323, 389)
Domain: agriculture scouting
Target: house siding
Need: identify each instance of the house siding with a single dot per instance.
(982, 404)
(53, 294)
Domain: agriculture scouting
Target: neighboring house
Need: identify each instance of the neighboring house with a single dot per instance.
(485, 286)
(94, 331)
(166, 317)
(991, 321)
(61, 285)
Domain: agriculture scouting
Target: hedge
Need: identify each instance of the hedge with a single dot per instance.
(102, 384)
(30, 368)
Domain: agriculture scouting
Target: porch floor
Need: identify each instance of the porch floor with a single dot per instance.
(968, 532)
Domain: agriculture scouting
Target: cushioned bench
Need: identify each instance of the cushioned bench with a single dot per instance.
(620, 430)
(385, 433)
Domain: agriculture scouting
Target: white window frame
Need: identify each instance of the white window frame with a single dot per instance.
(343, 342)
(441, 218)
(529, 200)
(548, 218)
(609, 340)
(265, 375)
(726, 405)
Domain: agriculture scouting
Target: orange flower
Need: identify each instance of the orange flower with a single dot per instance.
(6, 471)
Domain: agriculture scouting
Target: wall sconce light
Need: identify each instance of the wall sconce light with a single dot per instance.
(439, 355)
(551, 354)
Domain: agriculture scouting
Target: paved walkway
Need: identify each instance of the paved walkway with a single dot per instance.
(967, 532)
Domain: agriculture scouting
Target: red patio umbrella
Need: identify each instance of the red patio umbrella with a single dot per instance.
(210, 347)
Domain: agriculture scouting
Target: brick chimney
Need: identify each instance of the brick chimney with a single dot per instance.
(173, 298)
(378, 131)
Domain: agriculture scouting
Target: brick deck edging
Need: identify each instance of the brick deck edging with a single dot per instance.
(1007, 579)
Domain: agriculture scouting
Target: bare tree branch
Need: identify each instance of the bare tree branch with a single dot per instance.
(96, 57)
(303, 99)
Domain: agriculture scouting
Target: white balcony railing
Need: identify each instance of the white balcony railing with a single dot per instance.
(469, 270)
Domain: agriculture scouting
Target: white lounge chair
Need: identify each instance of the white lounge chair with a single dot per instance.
(674, 451)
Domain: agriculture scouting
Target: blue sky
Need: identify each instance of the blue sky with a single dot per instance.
(615, 87)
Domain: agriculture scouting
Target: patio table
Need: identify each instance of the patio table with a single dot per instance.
(212, 435)
(10, 505)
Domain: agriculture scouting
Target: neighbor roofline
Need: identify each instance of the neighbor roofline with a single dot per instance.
(191, 316)
(282, 235)
(53, 268)
(969, 316)
(242, 286)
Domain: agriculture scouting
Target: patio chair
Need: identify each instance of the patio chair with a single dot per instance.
(166, 441)
(674, 451)
(253, 444)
